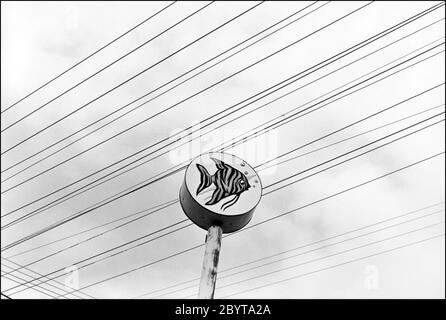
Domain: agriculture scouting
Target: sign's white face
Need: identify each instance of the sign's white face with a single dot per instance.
(223, 183)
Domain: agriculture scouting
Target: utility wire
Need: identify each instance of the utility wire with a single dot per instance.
(336, 254)
(133, 77)
(89, 210)
(242, 140)
(11, 212)
(152, 209)
(320, 258)
(75, 182)
(181, 101)
(46, 291)
(159, 87)
(182, 221)
(109, 250)
(383, 33)
(189, 97)
(359, 148)
(76, 215)
(314, 202)
(105, 232)
(95, 236)
(277, 182)
(294, 116)
(88, 57)
(337, 265)
(343, 191)
(235, 232)
(337, 142)
(50, 284)
(127, 113)
(89, 77)
(181, 167)
(43, 290)
(254, 135)
(332, 166)
(173, 201)
(224, 271)
(165, 139)
(4, 295)
(9, 277)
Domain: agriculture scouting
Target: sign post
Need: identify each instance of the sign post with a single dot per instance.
(210, 263)
(219, 194)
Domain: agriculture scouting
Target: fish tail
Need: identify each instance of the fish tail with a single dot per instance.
(230, 202)
(205, 178)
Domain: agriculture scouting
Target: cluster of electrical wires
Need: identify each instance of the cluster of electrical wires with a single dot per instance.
(427, 118)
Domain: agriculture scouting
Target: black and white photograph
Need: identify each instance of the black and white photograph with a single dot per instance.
(222, 150)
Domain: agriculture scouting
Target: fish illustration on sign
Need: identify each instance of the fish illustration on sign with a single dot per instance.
(227, 180)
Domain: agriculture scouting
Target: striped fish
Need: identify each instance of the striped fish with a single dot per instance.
(228, 181)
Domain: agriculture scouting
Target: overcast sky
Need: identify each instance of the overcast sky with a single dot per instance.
(41, 39)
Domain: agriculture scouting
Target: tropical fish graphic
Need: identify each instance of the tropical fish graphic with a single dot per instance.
(227, 180)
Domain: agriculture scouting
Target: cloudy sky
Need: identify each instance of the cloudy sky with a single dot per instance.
(42, 39)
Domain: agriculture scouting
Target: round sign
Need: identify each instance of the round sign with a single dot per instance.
(220, 189)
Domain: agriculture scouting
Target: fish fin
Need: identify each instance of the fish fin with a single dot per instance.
(219, 164)
(216, 197)
(230, 202)
(205, 178)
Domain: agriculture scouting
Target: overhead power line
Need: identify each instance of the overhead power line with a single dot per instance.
(114, 248)
(156, 89)
(88, 57)
(270, 185)
(173, 201)
(346, 190)
(83, 81)
(338, 265)
(111, 199)
(165, 139)
(61, 286)
(223, 273)
(356, 149)
(150, 211)
(281, 215)
(44, 290)
(343, 161)
(324, 257)
(83, 242)
(16, 279)
(60, 189)
(91, 208)
(287, 117)
(95, 236)
(336, 142)
(104, 203)
(191, 224)
(129, 79)
(110, 230)
(431, 118)
(189, 97)
(249, 112)
(180, 167)
(4, 295)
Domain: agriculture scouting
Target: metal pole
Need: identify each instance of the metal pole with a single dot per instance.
(210, 263)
